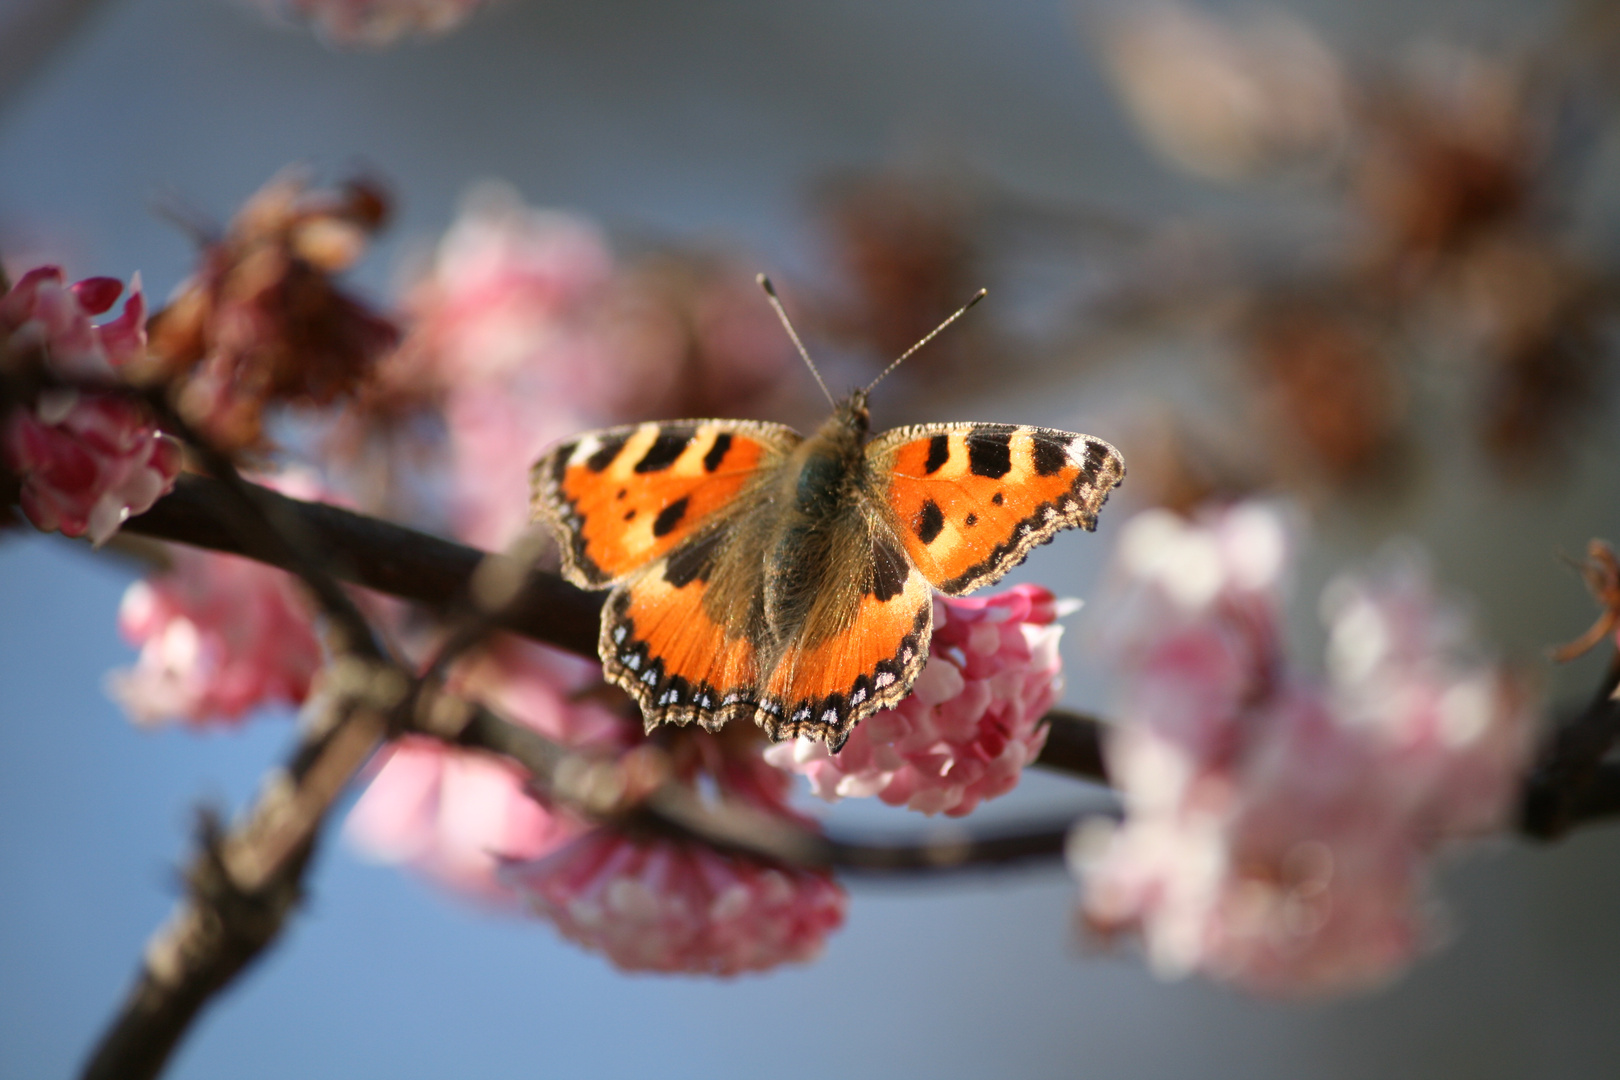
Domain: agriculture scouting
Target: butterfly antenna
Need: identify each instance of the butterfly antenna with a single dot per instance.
(930, 336)
(781, 313)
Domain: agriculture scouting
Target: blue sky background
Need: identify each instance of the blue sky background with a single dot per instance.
(704, 119)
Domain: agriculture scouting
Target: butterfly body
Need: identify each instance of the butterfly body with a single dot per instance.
(759, 573)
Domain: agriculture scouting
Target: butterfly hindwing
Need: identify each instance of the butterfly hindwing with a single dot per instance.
(687, 636)
(624, 497)
(664, 643)
(859, 655)
(969, 501)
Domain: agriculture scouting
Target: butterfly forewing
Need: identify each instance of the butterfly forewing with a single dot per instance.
(624, 497)
(969, 501)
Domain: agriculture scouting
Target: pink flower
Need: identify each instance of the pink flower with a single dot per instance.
(41, 311)
(375, 23)
(511, 292)
(1278, 830)
(660, 905)
(87, 461)
(671, 906)
(456, 815)
(972, 721)
(219, 636)
(496, 433)
(527, 330)
(507, 329)
(452, 815)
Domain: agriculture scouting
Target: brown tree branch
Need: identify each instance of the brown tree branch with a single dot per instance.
(380, 555)
(244, 883)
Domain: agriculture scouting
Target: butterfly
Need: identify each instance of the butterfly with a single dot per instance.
(756, 572)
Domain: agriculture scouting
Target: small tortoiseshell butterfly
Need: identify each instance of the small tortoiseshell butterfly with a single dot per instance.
(757, 572)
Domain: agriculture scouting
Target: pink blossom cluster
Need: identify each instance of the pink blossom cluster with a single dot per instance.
(660, 905)
(972, 721)
(469, 822)
(530, 330)
(375, 23)
(505, 324)
(87, 460)
(456, 815)
(672, 906)
(1279, 828)
(219, 636)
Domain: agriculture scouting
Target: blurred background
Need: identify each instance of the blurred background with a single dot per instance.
(1360, 256)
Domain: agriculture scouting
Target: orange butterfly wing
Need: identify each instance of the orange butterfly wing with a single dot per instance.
(822, 688)
(663, 645)
(624, 497)
(969, 501)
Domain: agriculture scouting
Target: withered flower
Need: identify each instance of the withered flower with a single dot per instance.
(907, 252)
(1449, 153)
(262, 322)
(702, 320)
(1328, 387)
(1538, 316)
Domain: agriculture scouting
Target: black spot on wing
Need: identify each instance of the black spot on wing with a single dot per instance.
(939, 452)
(630, 515)
(559, 460)
(1096, 458)
(605, 453)
(670, 516)
(669, 445)
(990, 453)
(972, 520)
(997, 498)
(889, 571)
(717, 452)
(1050, 456)
(693, 560)
(930, 522)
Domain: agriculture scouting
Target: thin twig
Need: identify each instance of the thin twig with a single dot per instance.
(380, 555)
(244, 883)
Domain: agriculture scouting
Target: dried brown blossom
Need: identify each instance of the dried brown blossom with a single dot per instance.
(262, 322)
(1329, 388)
(908, 255)
(1448, 154)
(1537, 315)
(1180, 466)
(702, 321)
